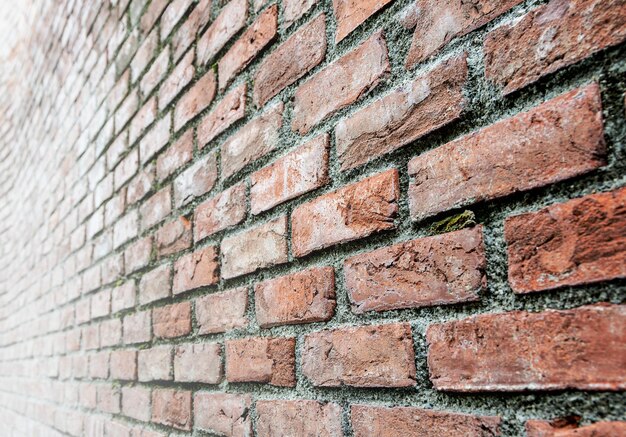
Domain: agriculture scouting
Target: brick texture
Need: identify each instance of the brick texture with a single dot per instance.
(566, 428)
(298, 418)
(261, 359)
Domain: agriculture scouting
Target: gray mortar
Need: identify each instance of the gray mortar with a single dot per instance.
(484, 107)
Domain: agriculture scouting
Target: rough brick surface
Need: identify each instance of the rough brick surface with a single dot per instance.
(172, 408)
(368, 356)
(564, 428)
(195, 100)
(494, 357)
(544, 145)
(198, 363)
(220, 212)
(172, 320)
(578, 242)
(303, 297)
(444, 269)
(196, 269)
(261, 359)
(231, 19)
(222, 312)
(351, 13)
(230, 109)
(223, 414)
(298, 418)
(371, 421)
(350, 213)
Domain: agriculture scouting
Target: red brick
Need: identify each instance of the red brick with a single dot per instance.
(291, 60)
(125, 229)
(110, 332)
(566, 428)
(261, 359)
(366, 356)
(198, 179)
(350, 14)
(230, 109)
(232, 19)
(347, 214)
(144, 55)
(578, 242)
(443, 269)
(303, 297)
(298, 418)
(108, 399)
(172, 408)
(155, 364)
(155, 285)
(437, 23)
(195, 100)
(374, 421)
(152, 14)
(174, 12)
(156, 208)
(293, 10)
(220, 212)
(155, 139)
(551, 37)
(198, 363)
(487, 352)
(416, 109)
(256, 248)
(137, 327)
(156, 72)
(186, 34)
(179, 78)
(124, 365)
(136, 403)
(344, 82)
(140, 185)
(248, 46)
(252, 141)
(126, 169)
(143, 119)
(126, 110)
(123, 296)
(101, 304)
(176, 156)
(137, 255)
(173, 237)
(223, 413)
(557, 140)
(222, 312)
(197, 269)
(303, 170)
(99, 365)
(172, 320)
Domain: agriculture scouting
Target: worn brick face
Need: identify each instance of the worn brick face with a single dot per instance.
(196, 269)
(195, 100)
(352, 212)
(302, 418)
(578, 242)
(544, 145)
(172, 408)
(565, 428)
(229, 110)
(261, 359)
(351, 13)
(344, 82)
(443, 269)
(222, 312)
(198, 179)
(368, 356)
(486, 352)
(177, 80)
(172, 320)
(231, 19)
(223, 414)
(220, 212)
(303, 297)
(198, 363)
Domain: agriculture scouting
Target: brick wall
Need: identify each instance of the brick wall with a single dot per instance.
(313, 218)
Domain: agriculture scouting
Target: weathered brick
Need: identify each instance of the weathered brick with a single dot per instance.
(124, 364)
(303, 297)
(567, 428)
(123, 296)
(152, 14)
(230, 109)
(140, 185)
(436, 23)
(179, 78)
(155, 284)
(291, 60)
(222, 312)
(186, 34)
(293, 10)
(137, 327)
(223, 413)
(487, 352)
(144, 55)
(350, 14)
(347, 214)
(172, 408)
(248, 46)
(298, 418)
(443, 269)
(261, 359)
(231, 20)
(198, 179)
(156, 208)
(126, 169)
(173, 237)
(196, 269)
(557, 140)
(344, 82)
(252, 141)
(110, 332)
(366, 356)
(195, 100)
(262, 246)
(155, 364)
(156, 138)
(143, 119)
(577, 242)
(136, 403)
(374, 421)
(424, 105)
(176, 156)
(174, 12)
(551, 37)
(108, 399)
(303, 170)
(156, 72)
(137, 255)
(198, 363)
(172, 320)
(220, 212)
